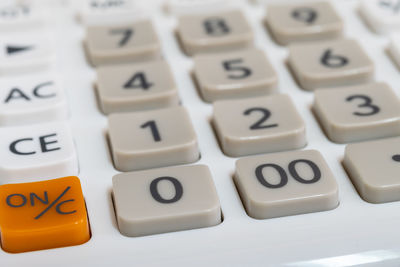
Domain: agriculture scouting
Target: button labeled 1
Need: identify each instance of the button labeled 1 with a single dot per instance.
(43, 215)
(39, 151)
(33, 99)
(284, 184)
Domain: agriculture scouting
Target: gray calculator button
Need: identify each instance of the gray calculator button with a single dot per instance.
(138, 86)
(149, 139)
(357, 113)
(243, 73)
(303, 22)
(122, 43)
(214, 32)
(287, 183)
(165, 200)
(258, 125)
(330, 63)
(374, 169)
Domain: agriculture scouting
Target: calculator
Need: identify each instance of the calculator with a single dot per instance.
(199, 133)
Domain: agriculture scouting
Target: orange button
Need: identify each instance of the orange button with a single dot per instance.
(43, 215)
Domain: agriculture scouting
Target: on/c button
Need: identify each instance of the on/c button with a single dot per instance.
(43, 215)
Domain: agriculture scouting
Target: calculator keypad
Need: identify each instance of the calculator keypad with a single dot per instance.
(214, 32)
(303, 22)
(358, 113)
(330, 63)
(139, 86)
(122, 43)
(34, 99)
(39, 151)
(151, 139)
(243, 73)
(263, 124)
(285, 184)
(165, 200)
(374, 169)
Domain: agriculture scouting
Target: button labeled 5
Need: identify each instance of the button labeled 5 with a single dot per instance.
(43, 215)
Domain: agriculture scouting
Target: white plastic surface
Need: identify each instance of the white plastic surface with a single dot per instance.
(355, 233)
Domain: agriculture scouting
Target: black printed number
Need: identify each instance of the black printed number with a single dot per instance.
(330, 60)
(305, 14)
(292, 171)
(138, 81)
(156, 195)
(260, 123)
(216, 26)
(239, 72)
(125, 33)
(367, 103)
(154, 130)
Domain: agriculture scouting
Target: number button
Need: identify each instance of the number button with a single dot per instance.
(151, 139)
(330, 64)
(132, 87)
(33, 99)
(244, 73)
(214, 33)
(122, 43)
(165, 200)
(374, 169)
(109, 12)
(303, 22)
(357, 113)
(258, 125)
(382, 16)
(283, 184)
(38, 151)
(43, 215)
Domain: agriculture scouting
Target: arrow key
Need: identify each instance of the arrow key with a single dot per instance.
(28, 53)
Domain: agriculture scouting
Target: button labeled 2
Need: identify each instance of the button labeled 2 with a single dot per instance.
(43, 215)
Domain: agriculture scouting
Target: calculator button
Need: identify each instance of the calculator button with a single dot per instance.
(243, 73)
(214, 32)
(329, 64)
(21, 54)
(357, 113)
(138, 86)
(382, 16)
(31, 99)
(285, 184)
(19, 17)
(122, 43)
(263, 124)
(150, 139)
(181, 7)
(374, 169)
(108, 12)
(165, 200)
(303, 22)
(43, 215)
(38, 151)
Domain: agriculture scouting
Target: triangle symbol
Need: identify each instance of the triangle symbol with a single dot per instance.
(12, 49)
